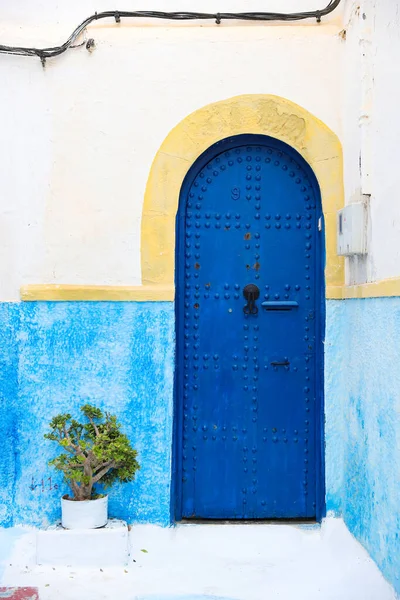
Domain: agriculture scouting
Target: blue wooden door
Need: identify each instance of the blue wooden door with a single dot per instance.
(249, 396)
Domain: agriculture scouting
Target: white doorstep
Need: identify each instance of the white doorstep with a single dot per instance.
(103, 547)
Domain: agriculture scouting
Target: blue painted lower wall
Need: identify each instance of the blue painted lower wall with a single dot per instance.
(362, 388)
(9, 409)
(55, 356)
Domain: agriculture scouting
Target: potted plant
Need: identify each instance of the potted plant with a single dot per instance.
(94, 452)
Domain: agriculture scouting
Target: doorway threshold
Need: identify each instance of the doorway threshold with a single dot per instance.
(309, 522)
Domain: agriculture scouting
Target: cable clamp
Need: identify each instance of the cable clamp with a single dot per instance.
(90, 44)
(218, 19)
(42, 60)
(117, 17)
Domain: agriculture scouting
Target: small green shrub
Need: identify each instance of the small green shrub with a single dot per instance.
(94, 452)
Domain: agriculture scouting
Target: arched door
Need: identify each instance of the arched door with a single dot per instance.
(250, 316)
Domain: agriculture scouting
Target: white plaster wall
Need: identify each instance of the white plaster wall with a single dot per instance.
(372, 130)
(79, 136)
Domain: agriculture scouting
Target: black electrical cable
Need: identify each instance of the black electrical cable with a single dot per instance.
(44, 53)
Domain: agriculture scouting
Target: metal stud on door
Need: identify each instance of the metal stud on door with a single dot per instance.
(248, 335)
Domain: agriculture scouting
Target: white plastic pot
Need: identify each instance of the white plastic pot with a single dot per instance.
(86, 514)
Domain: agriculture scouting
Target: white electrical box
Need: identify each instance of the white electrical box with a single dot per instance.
(352, 230)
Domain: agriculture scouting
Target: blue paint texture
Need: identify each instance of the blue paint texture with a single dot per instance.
(363, 424)
(335, 342)
(118, 356)
(9, 409)
(55, 356)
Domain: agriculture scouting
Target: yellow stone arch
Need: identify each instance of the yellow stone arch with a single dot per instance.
(260, 114)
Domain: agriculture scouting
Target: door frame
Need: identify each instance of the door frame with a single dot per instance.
(177, 441)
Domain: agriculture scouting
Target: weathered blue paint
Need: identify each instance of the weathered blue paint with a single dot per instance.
(335, 393)
(116, 355)
(363, 424)
(9, 408)
(249, 400)
(55, 355)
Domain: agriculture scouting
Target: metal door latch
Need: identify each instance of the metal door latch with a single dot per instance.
(251, 292)
(280, 363)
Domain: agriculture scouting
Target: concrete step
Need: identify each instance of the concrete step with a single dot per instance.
(107, 546)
